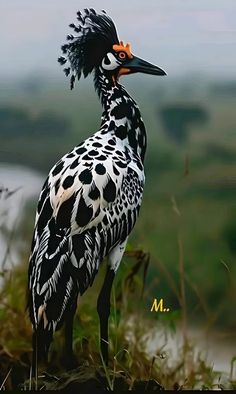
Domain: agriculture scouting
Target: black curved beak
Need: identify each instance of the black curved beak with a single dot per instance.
(139, 65)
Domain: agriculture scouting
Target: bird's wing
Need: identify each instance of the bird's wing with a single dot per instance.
(79, 196)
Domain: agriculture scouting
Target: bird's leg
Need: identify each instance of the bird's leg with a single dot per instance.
(34, 356)
(69, 360)
(103, 308)
(41, 341)
(103, 303)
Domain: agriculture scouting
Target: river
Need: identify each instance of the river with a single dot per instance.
(216, 347)
(17, 186)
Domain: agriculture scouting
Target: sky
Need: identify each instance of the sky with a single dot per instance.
(181, 36)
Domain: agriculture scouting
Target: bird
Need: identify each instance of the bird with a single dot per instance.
(91, 198)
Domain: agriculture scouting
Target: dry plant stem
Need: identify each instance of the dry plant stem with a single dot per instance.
(200, 297)
(182, 290)
(106, 370)
(4, 381)
(233, 361)
(9, 245)
(169, 278)
(150, 371)
(186, 166)
(30, 379)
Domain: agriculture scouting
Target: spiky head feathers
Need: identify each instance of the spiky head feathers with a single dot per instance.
(95, 37)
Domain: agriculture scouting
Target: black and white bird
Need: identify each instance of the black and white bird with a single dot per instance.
(91, 198)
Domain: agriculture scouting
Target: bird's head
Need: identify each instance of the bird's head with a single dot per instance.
(96, 45)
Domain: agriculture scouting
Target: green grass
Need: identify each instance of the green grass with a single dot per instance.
(132, 327)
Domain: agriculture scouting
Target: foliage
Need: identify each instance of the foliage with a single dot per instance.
(177, 119)
(229, 232)
(15, 121)
(223, 89)
(21, 128)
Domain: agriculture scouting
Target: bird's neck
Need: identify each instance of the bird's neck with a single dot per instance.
(121, 116)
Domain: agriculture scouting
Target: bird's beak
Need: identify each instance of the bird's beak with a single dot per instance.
(135, 64)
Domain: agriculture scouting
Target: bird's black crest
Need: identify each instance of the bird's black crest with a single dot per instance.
(95, 36)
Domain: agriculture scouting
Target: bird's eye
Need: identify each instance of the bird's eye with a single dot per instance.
(122, 55)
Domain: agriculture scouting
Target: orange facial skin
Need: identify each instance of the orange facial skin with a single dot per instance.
(123, 48)
(123, 71)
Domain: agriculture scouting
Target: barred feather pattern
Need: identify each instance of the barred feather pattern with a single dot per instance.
(88, 205)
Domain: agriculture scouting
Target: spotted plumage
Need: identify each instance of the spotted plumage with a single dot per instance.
(91, 198)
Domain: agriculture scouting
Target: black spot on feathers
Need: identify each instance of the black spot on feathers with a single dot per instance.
(68, 182)
(74, 164)
(94, 193)
(101, 158)
(58, 168)
(109, 191)
(81, 150)
(100, 169)
(121, 132)
(45, 216)
(122, 110)
(86, 177)
(84, 213)
(65, 211)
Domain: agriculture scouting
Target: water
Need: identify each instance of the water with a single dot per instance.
(25, 184)
(215, 347)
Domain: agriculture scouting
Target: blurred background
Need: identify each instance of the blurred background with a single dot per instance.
(188, 216)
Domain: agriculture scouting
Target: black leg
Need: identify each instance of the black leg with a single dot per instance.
(41, 341)
(34, 356)
(69, 359)
(103, 308)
